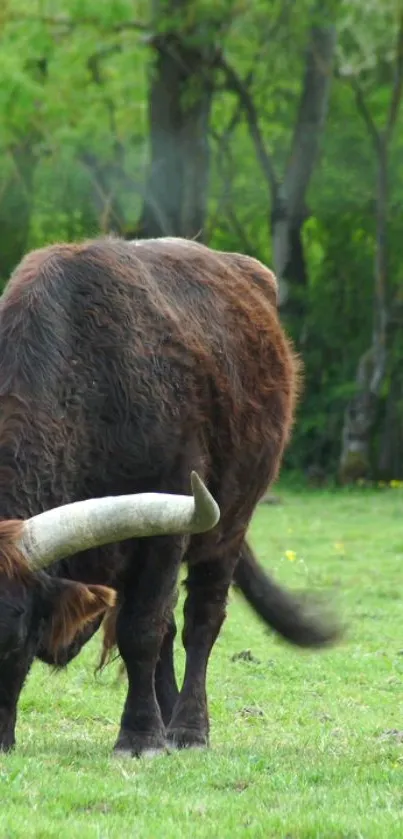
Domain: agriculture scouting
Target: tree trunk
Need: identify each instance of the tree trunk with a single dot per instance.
(288, 251)
(179, 112)
(289, 204)
(390, 455)
(362, 410)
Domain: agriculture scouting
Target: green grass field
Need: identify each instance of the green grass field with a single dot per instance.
(302, 744)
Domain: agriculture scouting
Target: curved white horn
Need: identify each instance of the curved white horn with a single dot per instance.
(75, 527)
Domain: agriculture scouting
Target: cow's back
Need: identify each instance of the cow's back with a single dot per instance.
(136, 351)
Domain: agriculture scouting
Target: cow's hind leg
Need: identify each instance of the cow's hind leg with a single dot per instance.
(147, 600)
(205, 607)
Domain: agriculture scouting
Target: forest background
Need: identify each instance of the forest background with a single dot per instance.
(270, 127)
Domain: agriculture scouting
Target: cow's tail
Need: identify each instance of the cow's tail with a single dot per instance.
(295, 619)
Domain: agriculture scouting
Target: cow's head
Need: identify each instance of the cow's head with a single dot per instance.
(34, 603)
(37, 607)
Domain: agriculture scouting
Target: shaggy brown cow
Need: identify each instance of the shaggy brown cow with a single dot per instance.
(123, 367)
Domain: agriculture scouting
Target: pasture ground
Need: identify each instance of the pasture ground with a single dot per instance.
(304, 745)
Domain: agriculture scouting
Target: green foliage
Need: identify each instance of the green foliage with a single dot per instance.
(338, 328)
(74, 152)
(74, 83)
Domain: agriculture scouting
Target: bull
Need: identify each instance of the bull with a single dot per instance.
(124, 368)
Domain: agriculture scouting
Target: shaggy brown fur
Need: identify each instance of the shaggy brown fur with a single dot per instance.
(13, 563)
(77, 606)
(123, 366)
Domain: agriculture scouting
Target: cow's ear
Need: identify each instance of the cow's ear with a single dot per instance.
(70, 606)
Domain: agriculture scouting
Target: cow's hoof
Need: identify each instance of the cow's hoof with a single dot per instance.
(7, 746)
(181, 737)
(7, 743)
(134, 744)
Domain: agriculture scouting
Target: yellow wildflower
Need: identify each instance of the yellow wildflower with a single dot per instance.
(290, 555)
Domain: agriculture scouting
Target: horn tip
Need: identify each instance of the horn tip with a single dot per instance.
(206, 507)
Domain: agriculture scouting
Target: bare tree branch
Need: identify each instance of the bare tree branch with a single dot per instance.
(364, 111)
(226, 168)
(239, 231)
(246, 104)
(222, 139)
(237, 85)
(225, 136)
